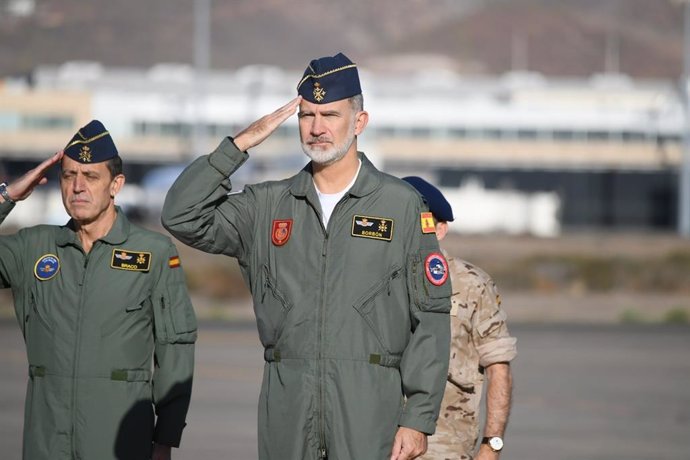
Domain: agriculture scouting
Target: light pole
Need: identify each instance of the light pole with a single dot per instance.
(684, 177)
(202, 58)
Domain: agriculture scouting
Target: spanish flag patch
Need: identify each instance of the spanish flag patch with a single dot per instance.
(427, 220)
(174, 262)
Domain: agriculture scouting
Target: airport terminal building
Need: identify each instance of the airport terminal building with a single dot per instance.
(518, 153)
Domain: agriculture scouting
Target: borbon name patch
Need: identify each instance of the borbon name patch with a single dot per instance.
(377, 228)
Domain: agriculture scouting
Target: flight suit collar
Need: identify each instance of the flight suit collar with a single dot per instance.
(117, 235)
(367, 181)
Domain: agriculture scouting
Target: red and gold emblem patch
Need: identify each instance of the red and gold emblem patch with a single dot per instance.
(427, 220)
(280, 233)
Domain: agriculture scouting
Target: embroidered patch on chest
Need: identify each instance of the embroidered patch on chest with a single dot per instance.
(46, 267)
(136, 261)
(281, 230)
(377, 228)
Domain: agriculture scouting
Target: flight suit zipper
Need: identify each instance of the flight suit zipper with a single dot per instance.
(323, 451)
(77, 345)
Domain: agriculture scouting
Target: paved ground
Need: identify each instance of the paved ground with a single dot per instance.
(599, 392)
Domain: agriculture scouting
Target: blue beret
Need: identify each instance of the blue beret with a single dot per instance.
(91, 144)
(329, 79)
(438, 205)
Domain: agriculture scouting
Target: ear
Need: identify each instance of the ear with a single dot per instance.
(441, 230)
(361, 121)
(116, 185)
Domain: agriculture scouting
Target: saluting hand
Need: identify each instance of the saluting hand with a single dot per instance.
(408, 444)
(21, 188)
(258, 131)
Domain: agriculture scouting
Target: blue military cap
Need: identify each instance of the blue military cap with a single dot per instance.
(329, 79)
(438, 205)
(91, 144)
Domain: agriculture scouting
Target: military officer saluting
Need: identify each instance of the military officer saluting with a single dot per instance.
(97, 299)
(351, 297)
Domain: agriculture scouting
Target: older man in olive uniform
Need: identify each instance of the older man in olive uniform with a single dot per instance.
(97, 299)
(481, 345)
(350, 296)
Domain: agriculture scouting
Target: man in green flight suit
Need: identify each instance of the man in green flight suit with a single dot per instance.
(105, 314)
(351, 297)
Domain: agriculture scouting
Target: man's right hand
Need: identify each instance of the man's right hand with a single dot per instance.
(21, 188)
(258, 131)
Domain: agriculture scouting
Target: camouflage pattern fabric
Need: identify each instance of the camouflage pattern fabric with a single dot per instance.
(479, 338)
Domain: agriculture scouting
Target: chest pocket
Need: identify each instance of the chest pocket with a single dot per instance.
(273, 311)
(377, 318)
(126, 313)
(38, 311)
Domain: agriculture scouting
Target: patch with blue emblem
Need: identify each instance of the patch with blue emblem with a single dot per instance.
(436, 268)
(46, 267)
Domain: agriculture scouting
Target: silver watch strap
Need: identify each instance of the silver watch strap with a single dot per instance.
(5, 195)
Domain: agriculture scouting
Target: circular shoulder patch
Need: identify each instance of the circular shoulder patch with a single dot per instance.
(436, 268)
(46, 267)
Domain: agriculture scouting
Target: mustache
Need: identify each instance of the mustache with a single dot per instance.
(313, 140)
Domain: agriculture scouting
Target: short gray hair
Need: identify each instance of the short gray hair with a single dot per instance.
(357, 102)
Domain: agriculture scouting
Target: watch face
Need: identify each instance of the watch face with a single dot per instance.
(496, 443)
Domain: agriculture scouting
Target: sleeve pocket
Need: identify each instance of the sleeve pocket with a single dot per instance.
(177, 322)
(428, 281)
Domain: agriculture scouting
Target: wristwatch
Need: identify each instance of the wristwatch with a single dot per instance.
(494, 442)
(4, 194)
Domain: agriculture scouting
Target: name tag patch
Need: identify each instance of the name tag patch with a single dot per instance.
(46, 267)
(377, 228)
(136, 261)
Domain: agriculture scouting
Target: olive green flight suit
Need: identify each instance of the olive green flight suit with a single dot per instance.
(355, 331)
(92, 324)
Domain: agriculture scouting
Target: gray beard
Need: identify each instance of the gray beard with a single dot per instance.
(332, 154)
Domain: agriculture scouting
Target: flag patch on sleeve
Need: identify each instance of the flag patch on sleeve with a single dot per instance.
(427, 220)
(174, 262)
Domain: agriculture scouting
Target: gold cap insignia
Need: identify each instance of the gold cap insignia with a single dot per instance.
(85, 154)
(319, 92)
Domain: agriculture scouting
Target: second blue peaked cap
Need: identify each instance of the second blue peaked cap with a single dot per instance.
(329, 79)
(438, 205)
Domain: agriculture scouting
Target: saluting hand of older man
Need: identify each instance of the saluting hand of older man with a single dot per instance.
(21, 188)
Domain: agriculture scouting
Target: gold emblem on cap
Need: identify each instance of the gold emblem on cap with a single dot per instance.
(85, 154)
(319, 92)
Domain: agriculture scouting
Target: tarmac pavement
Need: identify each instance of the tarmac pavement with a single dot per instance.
(598, 392)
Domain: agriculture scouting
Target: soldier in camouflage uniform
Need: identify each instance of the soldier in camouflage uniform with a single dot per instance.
(480, 346)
